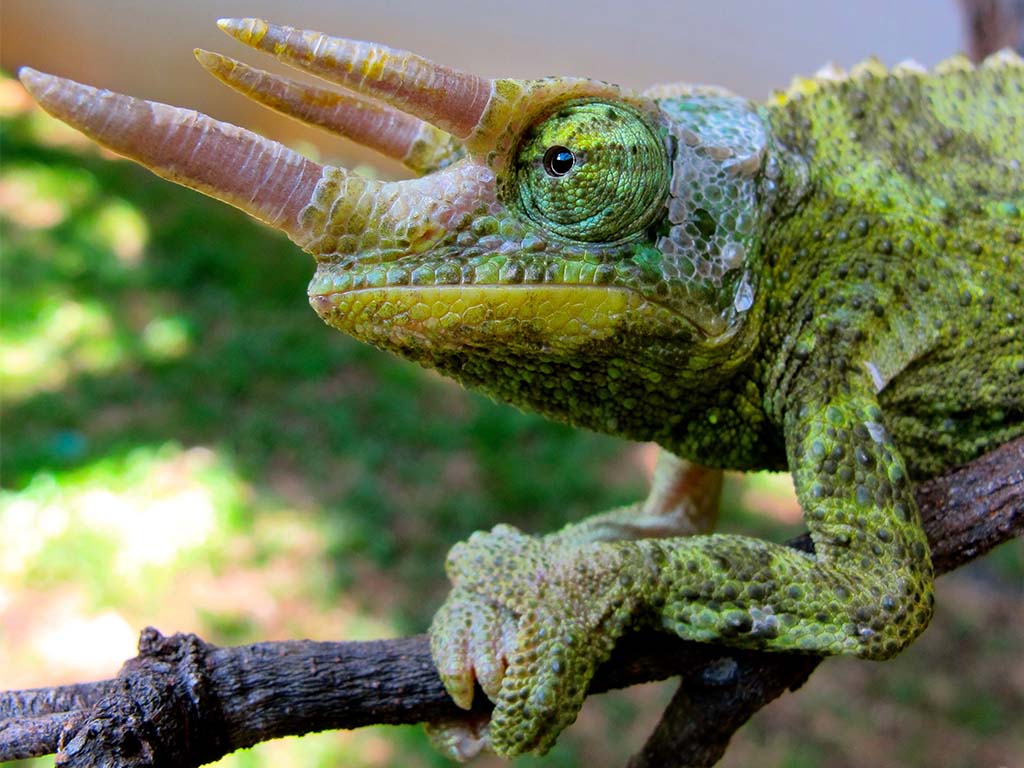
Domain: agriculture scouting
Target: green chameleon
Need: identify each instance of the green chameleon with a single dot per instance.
(829, 283)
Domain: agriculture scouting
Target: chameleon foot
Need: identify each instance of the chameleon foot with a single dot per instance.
(530, 620)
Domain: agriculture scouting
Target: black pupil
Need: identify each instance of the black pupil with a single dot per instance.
(558, 161)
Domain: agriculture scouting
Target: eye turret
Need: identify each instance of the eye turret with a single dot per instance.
(593, 171)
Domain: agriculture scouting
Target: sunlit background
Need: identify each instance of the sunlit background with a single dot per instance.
(185, 445)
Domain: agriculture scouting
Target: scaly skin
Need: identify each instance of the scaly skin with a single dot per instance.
(829, 283)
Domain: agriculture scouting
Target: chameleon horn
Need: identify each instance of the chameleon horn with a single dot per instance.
(327, 211)
(395, 134)
(265, 179)
(452, 100)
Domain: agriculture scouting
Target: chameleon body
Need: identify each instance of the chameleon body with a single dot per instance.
(828, 283)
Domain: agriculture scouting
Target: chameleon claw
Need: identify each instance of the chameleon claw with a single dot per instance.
(460, 740)
(491, 643)
(449, 644)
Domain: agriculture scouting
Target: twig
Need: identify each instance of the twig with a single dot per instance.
(992, 25)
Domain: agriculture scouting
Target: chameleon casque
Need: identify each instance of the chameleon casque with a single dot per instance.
(829, 283)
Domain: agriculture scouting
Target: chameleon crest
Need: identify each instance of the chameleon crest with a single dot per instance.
(829, 283)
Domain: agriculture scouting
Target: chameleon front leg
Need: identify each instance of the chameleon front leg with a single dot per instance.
(866, 591)
(683, 501)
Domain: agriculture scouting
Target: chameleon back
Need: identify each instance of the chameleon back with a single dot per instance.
(903, 255)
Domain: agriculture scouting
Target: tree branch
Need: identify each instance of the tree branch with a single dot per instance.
(183, 702)
(992, 25)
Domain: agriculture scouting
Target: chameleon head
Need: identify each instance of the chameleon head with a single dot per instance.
(568, 246)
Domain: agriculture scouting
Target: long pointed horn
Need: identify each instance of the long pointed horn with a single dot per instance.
(452, 100)
(263, 178)
(333, 214)
(395, 134)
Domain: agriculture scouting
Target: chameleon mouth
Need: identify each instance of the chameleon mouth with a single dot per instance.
(557, 317)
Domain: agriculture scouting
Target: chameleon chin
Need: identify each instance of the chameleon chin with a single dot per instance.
(829, 283)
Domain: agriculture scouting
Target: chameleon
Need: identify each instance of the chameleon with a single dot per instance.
(828, 283)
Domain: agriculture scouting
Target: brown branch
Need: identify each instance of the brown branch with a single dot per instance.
(183, 702)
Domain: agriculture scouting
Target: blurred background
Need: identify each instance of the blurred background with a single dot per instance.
(185, 445)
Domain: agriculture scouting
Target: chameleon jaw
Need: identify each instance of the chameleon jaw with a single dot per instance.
(556, 318)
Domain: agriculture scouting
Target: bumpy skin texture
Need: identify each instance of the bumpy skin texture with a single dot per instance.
(829, 283)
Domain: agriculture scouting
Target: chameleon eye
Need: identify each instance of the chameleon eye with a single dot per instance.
(612, 183)
(558, 161)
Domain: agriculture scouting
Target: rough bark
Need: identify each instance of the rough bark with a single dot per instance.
(183, 702)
